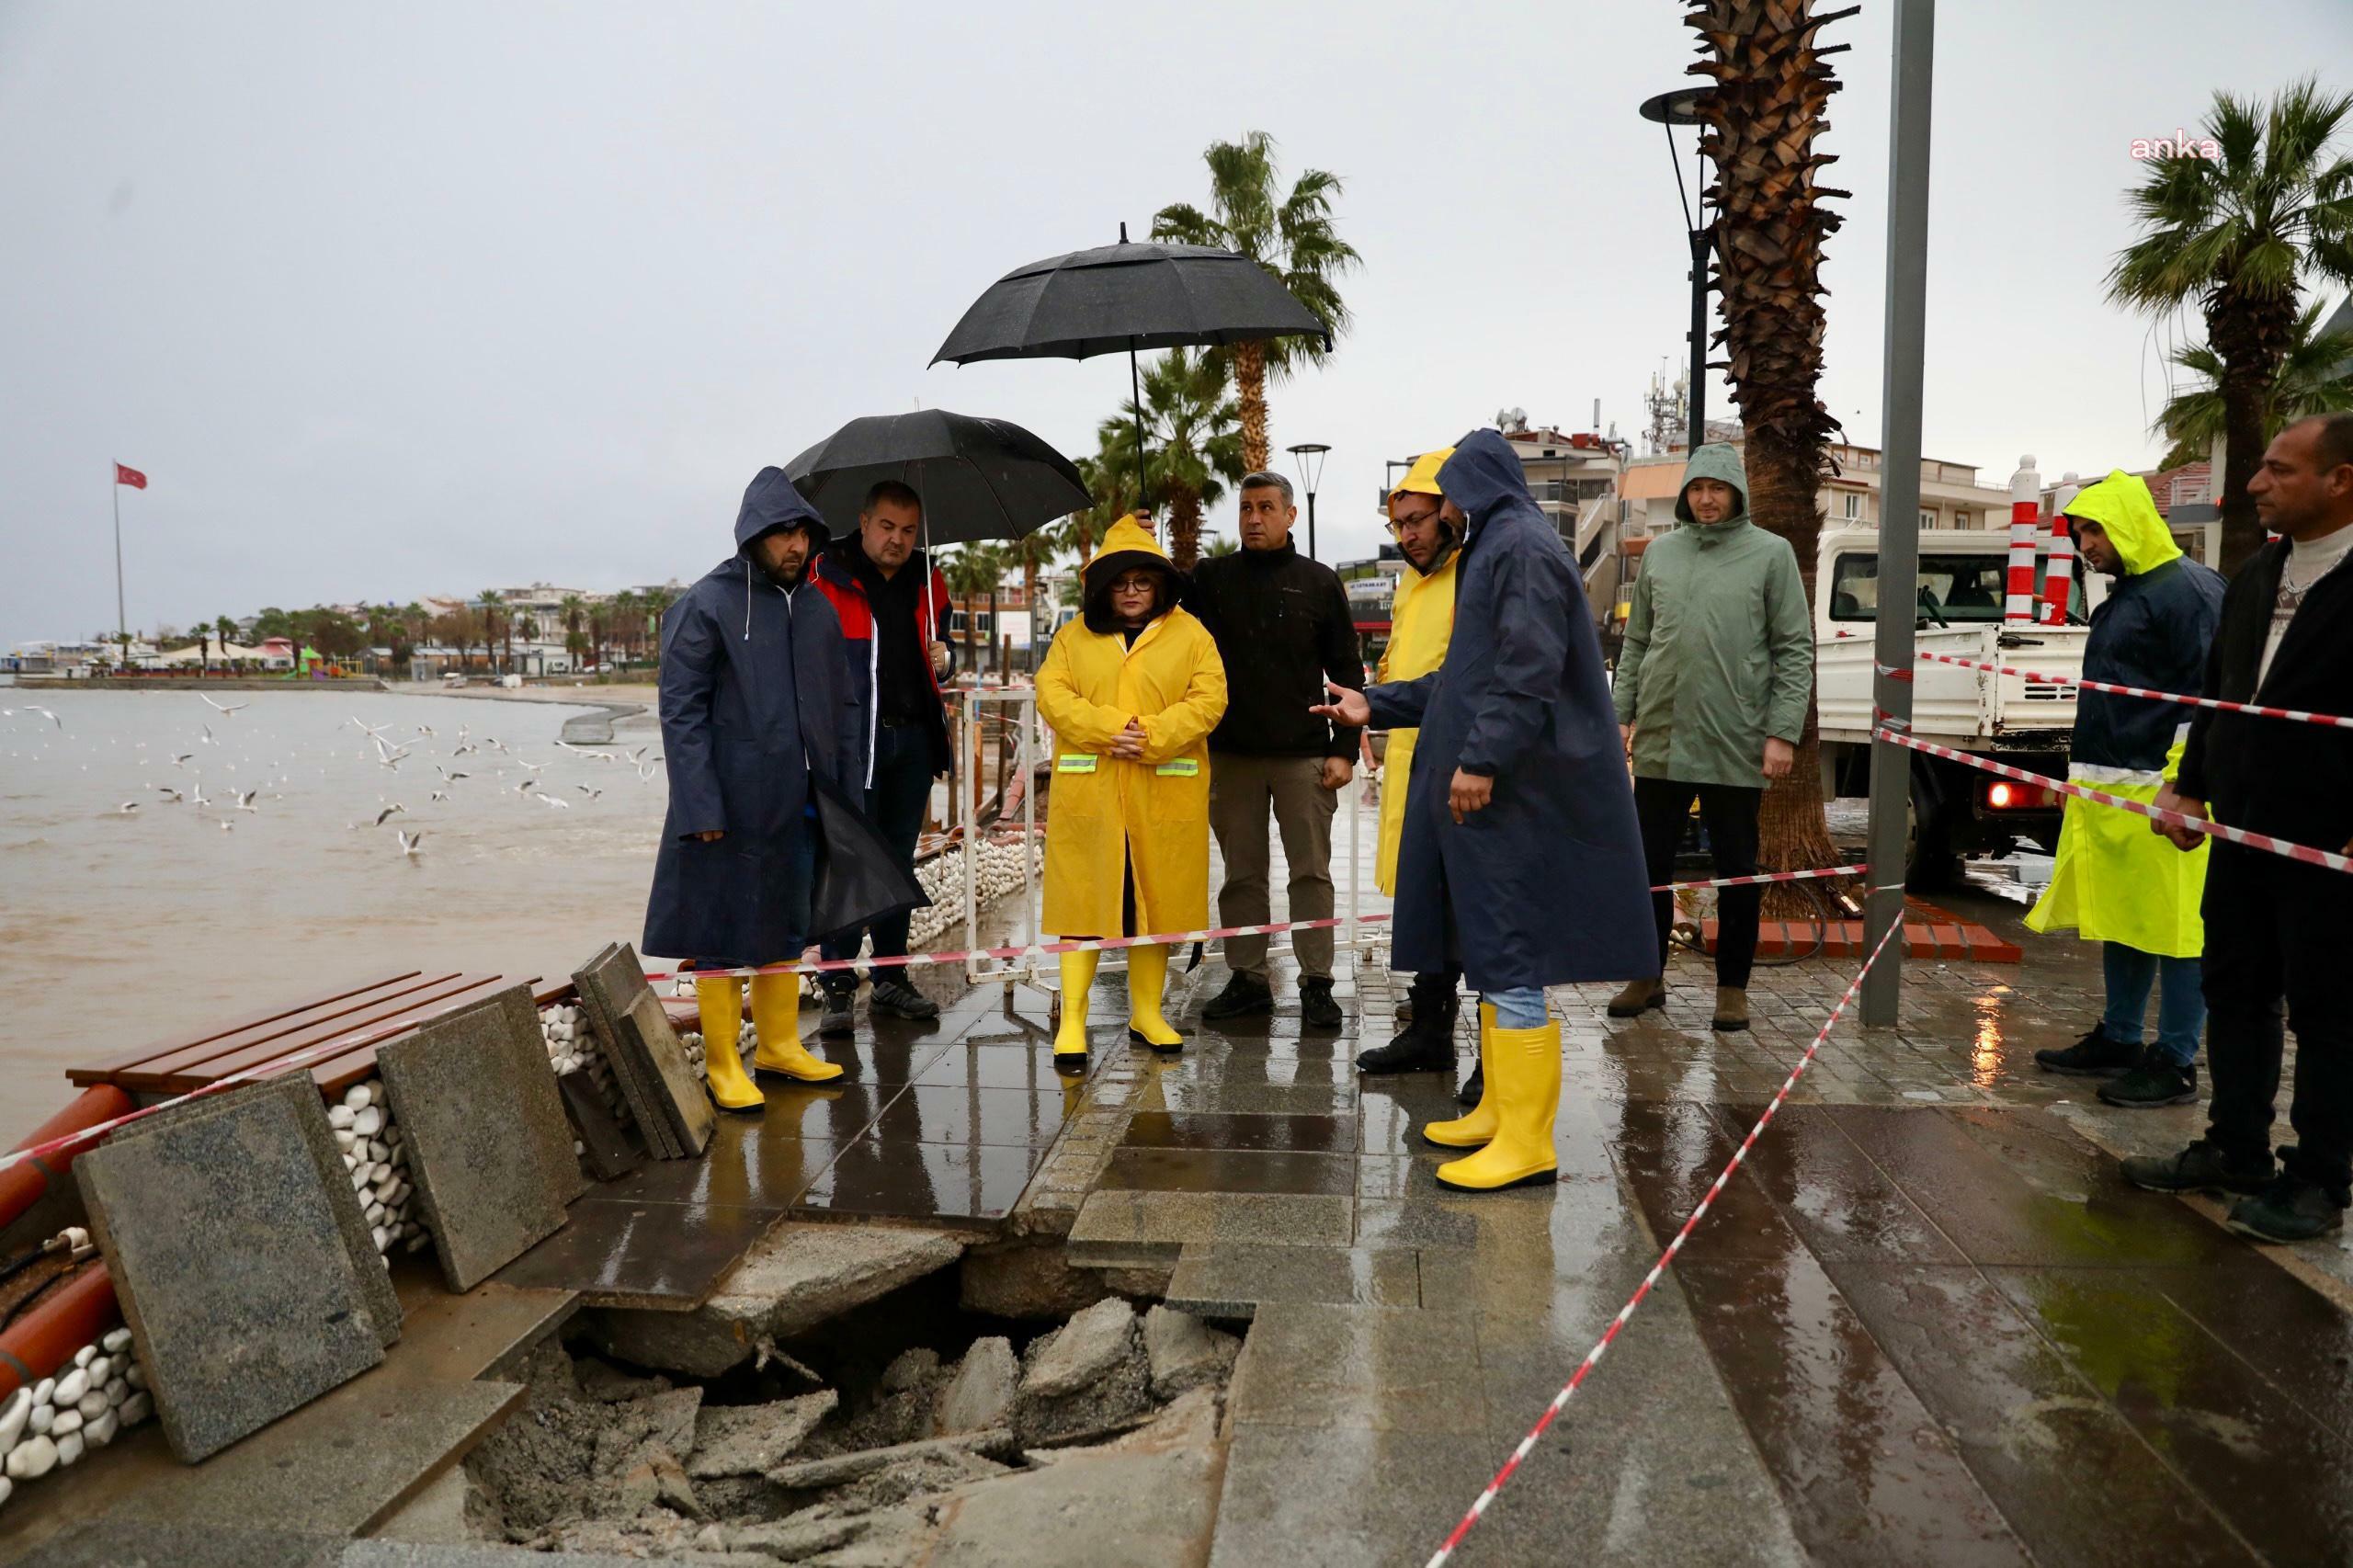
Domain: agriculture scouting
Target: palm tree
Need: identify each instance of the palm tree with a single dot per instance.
(574, 642)
(1293, 237)
(628, 622)
(1033, 552)
(2236, 233)
(1191, 447)
(974, 570)
(1771, 222)
(2316, 376)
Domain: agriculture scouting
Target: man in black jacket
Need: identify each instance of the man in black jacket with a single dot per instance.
(2278, 930)
(1282, 627)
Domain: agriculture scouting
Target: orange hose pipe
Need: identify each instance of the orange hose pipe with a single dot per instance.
(44, 1338)
(22, 1186)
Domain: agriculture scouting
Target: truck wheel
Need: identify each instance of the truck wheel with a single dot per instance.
(1929, 862)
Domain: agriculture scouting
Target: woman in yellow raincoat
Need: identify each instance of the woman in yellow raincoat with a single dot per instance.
(2116, 882)
(1131, 689)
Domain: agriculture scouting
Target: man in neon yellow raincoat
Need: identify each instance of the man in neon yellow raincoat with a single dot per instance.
(1421, 622)
(2116, 882)
(1132, 689)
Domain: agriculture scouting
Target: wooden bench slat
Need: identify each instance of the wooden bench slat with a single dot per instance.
(85, 1076)
(339, 1072)
(201, 1064)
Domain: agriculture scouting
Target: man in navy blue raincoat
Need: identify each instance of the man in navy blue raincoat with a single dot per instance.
(1521, 860)
(756, 698)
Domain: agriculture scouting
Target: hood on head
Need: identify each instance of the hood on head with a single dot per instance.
(1715, 460)
(1484, 475)
(2122, 506)
(1128, 543)
(1421, 479)
(769, 502)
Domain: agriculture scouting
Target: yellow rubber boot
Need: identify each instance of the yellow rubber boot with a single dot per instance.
(776, 1008)
(1469, 1131)
(1147, 979)
(721, 1003)
(1070, 1040)
(1524, 1065)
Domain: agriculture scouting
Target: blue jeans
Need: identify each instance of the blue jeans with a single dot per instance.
(896, 803)
(2181, 1001)
(1518, 1007)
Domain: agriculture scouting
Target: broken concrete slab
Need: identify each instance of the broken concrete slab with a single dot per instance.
(242, 1298)
(1082, 1351)
(795, 1277)
(539, 1110)
(611, 1154)
(656, 1079)
(981, 1394)
(472, 1095)
(300, 1092)
(752, 1439)
(606, 985)
(1147, 1501)
(1183, 1352)
(815, 1476)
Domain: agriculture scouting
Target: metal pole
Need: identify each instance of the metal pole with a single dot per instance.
(1311, 525)
(1136, 395)
(1899, 525)
(1698, 340)
(121, 621)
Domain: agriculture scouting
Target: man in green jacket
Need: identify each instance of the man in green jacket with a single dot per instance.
(1712, 689)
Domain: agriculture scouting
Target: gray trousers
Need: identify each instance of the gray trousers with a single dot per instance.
(1243, 789)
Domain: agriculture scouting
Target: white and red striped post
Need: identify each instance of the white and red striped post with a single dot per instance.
(2059, 571)
(2026, 525)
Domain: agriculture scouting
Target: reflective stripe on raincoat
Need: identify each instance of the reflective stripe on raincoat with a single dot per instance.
(1107, 813)
(1421, 621)
(2114, 881)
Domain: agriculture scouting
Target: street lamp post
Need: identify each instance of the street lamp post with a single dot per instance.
(1670, 111)
(1310, 457)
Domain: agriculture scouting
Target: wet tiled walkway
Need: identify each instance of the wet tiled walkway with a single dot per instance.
(1927, 1324)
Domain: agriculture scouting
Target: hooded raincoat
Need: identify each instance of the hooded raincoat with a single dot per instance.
(1719, 650)
(1545, 886)
(1110, 814)
(1421, 621)
(756, 696)
(2114, 881)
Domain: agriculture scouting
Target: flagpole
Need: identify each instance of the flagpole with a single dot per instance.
(121, 621)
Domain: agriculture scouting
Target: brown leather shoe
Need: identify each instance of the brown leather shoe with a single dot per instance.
(1732, 1008)
(1639, 997)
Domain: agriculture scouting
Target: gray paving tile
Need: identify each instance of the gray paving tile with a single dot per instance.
(1380, 1368)
(1233, 1279)
(1153, 1227)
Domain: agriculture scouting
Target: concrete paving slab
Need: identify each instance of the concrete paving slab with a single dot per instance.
(472, 1095)
(137, 1543)
(1234, 1280)
(1382, 1369)
(1139, 1228)
(541, 1115)
(242, 1298)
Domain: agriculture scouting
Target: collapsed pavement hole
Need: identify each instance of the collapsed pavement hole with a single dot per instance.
(866, 1438)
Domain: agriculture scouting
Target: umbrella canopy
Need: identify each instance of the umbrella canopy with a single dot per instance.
(1126, 297)
(979, 478)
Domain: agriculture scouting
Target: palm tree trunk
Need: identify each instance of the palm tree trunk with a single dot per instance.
(2253, 335)
(1184, 526)
(1250, 381)
(1793, 831)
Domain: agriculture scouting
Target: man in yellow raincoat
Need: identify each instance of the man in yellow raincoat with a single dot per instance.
(1132, 689)
(1421, 621)
(2115, 882)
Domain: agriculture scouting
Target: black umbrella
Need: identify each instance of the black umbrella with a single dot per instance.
(979, 478)
(1131, 297)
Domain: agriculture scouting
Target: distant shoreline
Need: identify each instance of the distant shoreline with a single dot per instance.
(195, 683)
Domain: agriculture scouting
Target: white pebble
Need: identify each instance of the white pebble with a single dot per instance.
(83, 1357)
(400, 1159)
(418, 1240)
(117, 1391)
(344, 1138)
(134, 1409)
(136, 1376)
(6, 1487)
(39, 1421)
(379, 1150)
(12, 1417)
(381, 1239)
(375, 1216)
(45, 1392)
(69, 1449)
(366, 1122)
(32, 1458)
(578, 1147)
(355, 1096)
(340, 1116)
(75, 1236)
(67, 1422)
(100, 1369)
(92, 1404)
(101, 1430)
(71, 1388)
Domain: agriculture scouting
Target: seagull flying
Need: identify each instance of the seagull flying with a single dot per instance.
(558, 801)
(246, 801)
(371, 728)
(389, 811)
(524, 785)
(584, 788)
(127, 807)
(165, 789)
(182, 759)
(447, 777)
(220, 707)
(408, 844)
(46, 714)
(438, 795)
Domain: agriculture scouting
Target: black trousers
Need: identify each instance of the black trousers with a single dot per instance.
(2279, 932)
(1729, 813)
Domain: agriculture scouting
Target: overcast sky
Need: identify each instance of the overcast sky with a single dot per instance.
(397, 300)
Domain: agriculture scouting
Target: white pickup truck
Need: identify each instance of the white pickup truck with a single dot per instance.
(1956, 810)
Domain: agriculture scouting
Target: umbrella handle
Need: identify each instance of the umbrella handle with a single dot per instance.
(930, 615)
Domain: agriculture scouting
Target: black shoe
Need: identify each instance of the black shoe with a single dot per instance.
(2094, 1056)
(2156, 1080)
(2290, 1209)
(1418, 1048)
(1243, 993)
(837, 1021)
(1474, 1087)
(895, 996)
(1316, 1008)
(2201, 1167)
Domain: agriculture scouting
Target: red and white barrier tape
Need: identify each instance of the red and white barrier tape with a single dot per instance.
(360, 1039)
(1593, 1356)
(2216, 703)
(2263, 841)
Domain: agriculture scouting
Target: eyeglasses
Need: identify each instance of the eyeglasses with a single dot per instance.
(1134, 582)
(1399, 524)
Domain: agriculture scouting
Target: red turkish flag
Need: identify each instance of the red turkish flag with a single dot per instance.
(131, 476)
